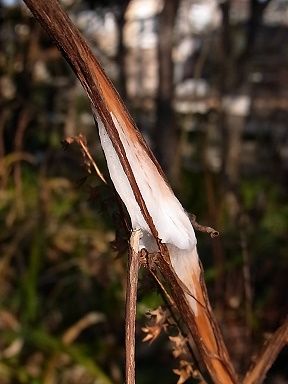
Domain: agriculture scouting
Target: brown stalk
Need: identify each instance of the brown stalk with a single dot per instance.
(200, 327)
(257, 372)
(131, 300)
(82, 142)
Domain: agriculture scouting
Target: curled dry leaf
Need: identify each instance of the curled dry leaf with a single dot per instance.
(184, 372)
(159, 314)
(152, 332)
(158, 323)
(203, 228)
(179, 345)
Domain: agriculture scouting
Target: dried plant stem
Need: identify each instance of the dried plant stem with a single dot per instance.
(131, 300)
(202, 329)
(82, 142)
(87, 153)
(264, 361)
(203, 228)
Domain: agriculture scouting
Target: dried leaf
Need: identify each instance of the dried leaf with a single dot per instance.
(178, 345)
(184, 372)
(152, 332)
(159, 314)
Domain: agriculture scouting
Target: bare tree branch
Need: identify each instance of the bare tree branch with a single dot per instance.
(81, 140)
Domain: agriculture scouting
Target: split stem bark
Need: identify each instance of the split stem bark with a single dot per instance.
(131, 301)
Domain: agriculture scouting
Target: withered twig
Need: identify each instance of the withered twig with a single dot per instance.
(130, 310)
(256, 374)
(202, 228)
(81, 140)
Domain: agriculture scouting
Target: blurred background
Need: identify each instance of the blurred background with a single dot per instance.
(207, 84)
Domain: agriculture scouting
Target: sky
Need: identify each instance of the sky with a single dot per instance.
(9, 2)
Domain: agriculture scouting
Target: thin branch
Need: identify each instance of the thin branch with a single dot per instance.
(81, 140)
(203, 228)
(256, 374)
(131, 300)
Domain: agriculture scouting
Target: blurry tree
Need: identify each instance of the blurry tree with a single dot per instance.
(121, 50)
(166, 137)
(119, 9)
(234, 89)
